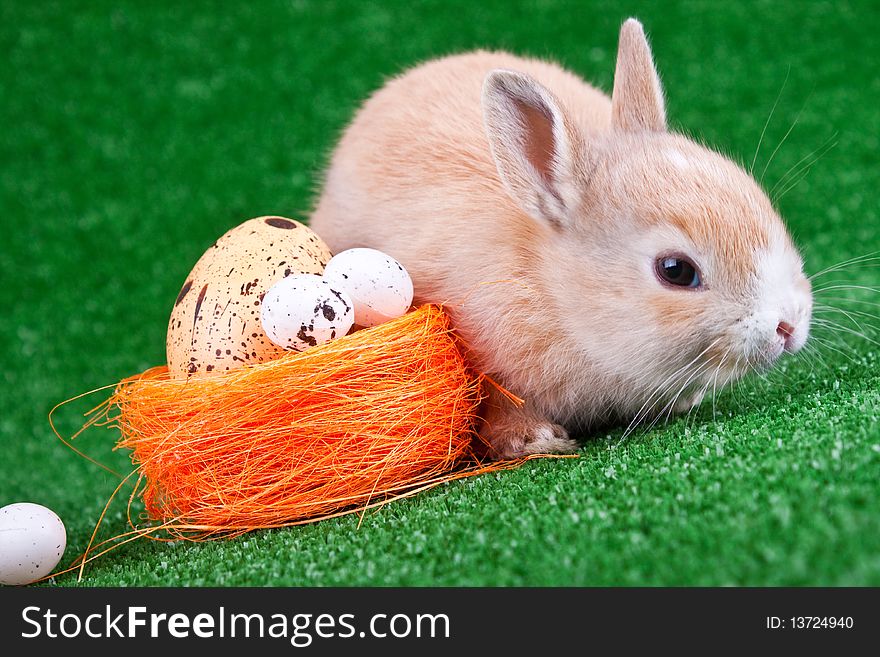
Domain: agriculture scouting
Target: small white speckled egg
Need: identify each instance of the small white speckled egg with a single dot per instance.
(32, 540)
(379, 285)
(305, 310)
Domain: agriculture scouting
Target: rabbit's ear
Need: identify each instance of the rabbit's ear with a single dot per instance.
(637, 101)
(533, 145)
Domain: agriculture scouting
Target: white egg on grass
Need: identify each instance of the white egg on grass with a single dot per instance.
(379, 285)
(32, 541)
(305, 310)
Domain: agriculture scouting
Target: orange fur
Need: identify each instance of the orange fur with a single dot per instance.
(440, 169)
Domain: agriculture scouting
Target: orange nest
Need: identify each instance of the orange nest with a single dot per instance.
(381, 413)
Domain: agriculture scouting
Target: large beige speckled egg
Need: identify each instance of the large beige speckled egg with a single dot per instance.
(215, 325)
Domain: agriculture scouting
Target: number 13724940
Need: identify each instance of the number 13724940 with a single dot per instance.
(809, 623)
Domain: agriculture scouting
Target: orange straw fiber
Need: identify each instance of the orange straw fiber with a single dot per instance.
(376, 414)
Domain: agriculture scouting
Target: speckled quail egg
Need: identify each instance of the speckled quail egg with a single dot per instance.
(215, 324)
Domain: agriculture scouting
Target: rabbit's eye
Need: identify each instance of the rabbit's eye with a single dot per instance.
(677, 270)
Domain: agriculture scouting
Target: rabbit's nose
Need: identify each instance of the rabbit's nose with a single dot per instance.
(786, 331)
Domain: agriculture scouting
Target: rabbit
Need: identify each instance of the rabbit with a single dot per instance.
(596, 265)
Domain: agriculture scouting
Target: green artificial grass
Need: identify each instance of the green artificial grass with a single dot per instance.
(134, 134)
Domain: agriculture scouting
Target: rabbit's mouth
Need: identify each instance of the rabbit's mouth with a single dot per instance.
(765, 355)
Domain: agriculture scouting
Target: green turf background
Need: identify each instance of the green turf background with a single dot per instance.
(134, 134)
